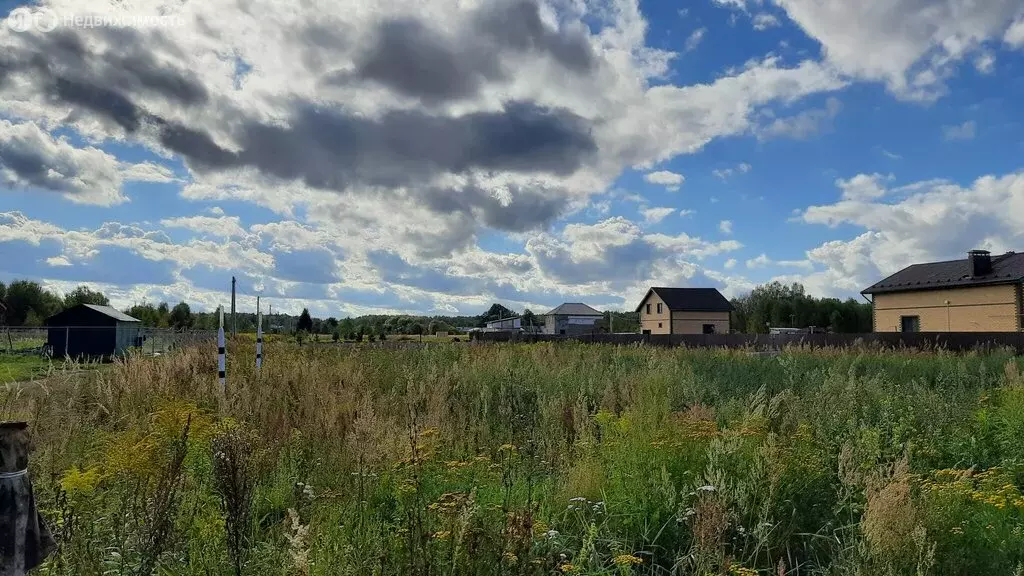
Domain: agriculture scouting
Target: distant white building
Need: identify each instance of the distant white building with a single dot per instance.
(572, 318)
(505, 324)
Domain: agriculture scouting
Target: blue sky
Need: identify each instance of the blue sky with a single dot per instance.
(434, 156)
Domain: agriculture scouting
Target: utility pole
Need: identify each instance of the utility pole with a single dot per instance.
(234, 325)
(259, 335)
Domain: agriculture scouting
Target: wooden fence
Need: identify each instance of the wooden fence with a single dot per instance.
(954, 341)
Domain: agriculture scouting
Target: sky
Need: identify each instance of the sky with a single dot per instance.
(435, 156)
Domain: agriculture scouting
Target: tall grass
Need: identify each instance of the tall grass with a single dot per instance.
(534, 459)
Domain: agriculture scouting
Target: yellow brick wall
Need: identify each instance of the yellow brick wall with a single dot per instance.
(693, 322)
(1020, 310)
(977, 309)
(651, 321)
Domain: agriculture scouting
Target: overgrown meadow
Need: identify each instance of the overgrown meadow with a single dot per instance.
(533, 459)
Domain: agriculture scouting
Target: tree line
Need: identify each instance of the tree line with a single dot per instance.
(778, 305)
(27, 303)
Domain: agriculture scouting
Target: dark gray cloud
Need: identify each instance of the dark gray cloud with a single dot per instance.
(621, 264)
(393, 269)
(28, 164)
(198, 147)
(416, 61)
(421, 62)
(29, 158)
(518, 25)
(117, 73)
(316, 266)
(106, 102)
(527, 208)
(101, 75)
(328, 149)
(322, 43)
(325, 148)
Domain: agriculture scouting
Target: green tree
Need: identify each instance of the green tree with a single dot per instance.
(436, 326)
(83, 295)
(25, 297)
(776, 304)
(181, 316)
(529, 318)
(495, 312)
(145, 313)
(305, 321)
(163, 315)
(347, 326)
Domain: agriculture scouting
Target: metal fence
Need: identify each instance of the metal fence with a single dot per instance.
(56, 341)
(953, 341)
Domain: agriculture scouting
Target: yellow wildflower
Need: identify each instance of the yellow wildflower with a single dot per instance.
(76, 481)
(627, 560)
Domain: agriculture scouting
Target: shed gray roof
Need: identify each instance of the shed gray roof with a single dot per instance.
(112, 312)
(574, 309)
(1006, 269)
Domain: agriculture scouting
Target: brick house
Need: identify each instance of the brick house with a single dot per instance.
(981, 293)
(684, 311)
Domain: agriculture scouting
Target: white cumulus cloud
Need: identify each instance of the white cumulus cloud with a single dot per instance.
(764, 21)
(911, 46)
(655, 215)
(670, 180)
(965, 131)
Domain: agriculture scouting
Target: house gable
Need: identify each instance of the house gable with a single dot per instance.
(689, 299)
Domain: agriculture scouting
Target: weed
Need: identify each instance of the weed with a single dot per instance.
(532, 459)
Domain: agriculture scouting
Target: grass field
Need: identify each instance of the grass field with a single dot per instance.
(19, 368)
(534, 459)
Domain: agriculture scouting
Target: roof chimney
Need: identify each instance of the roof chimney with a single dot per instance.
(979, 262)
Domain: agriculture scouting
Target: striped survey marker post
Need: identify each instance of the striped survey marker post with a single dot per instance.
(221, 352)
(259, 339)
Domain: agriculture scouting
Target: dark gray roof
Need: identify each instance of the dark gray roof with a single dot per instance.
(1006, 269)
(574, 309)
(690, 299)
(112, 312)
